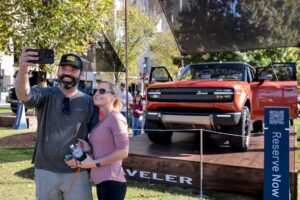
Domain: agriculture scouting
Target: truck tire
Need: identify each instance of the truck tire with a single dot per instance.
(242, 129)
(157, 137)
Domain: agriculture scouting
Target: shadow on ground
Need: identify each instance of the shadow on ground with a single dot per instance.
(26, 173)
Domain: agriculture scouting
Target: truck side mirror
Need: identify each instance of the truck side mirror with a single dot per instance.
(159, 74)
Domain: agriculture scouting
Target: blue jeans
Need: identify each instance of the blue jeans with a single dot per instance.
(111, 190)
(136, 124)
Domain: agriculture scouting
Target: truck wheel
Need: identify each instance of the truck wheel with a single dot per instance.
(158, 137)
(257, 126)
(241, 129)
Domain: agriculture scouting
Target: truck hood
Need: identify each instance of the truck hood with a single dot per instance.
(197, 83)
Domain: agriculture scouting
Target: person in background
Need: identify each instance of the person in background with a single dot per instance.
(123, 99)
(108, 145)
(64, 115)
(86, 87)
(137, 114)
(179, 71)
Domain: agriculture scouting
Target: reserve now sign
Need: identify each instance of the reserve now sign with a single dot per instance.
(276, 154)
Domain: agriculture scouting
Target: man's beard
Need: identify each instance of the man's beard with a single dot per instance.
(68, 84)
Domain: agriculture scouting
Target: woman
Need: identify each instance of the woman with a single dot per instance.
(109, 145)
(137, 114)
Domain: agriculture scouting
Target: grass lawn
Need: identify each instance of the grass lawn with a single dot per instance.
(5, 110)
(8, 110)
(9, 131)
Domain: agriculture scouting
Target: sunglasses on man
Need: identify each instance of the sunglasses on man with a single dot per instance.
(102, 91)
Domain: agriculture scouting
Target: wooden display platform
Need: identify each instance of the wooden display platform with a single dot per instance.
(223, 170)
(8, 119)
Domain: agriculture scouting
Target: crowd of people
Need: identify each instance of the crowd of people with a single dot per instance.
(94, 125)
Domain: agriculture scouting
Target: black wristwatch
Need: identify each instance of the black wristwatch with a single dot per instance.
(98, 163)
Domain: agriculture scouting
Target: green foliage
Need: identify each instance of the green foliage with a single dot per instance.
(214, 26)
(163, 50)
(140, 29)
(62, 25)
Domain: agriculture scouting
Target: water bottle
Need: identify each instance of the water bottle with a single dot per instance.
(77, 152)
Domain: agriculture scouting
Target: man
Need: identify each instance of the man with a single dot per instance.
(123, 99)
(64, 114)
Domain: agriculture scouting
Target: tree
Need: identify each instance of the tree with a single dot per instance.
(214, 26)
(140, 30)
(163, 50)
(62, 25)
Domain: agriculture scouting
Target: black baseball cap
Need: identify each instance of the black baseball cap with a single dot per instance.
(71, 59)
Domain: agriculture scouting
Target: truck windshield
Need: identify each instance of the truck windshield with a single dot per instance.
(220, 71)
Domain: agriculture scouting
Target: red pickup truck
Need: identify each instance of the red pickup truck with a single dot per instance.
(224, 97)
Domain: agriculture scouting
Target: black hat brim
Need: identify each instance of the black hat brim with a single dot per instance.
(70, 63)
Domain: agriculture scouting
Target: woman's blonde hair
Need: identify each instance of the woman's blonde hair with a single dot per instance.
(115, 91)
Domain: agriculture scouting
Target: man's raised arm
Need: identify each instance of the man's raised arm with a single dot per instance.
(22, 80)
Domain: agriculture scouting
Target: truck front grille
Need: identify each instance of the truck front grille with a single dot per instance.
(192, 95)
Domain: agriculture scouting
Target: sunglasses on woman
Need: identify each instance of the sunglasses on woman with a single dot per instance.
(103, 91)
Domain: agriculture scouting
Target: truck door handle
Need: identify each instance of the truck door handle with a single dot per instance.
(289, 88)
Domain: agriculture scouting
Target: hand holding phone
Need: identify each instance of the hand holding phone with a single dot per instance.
(46, 56)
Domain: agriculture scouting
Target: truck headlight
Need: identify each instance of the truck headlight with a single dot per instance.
(225, 94)
(154, 94)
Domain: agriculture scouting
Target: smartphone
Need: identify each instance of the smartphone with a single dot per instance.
(46, 56)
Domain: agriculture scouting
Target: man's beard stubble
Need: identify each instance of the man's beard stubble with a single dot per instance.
(68, 84)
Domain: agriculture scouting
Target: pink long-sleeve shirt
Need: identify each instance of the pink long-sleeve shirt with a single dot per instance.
(106, 137)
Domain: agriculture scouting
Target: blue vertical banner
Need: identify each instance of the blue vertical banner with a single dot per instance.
(20, 121)
(276, 153)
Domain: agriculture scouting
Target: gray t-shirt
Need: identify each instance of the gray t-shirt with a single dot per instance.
(57, 130)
